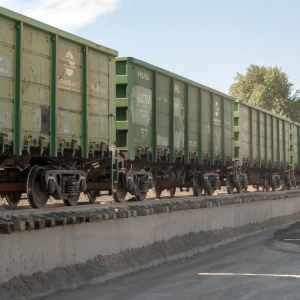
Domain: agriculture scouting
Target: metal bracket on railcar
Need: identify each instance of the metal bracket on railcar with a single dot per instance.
(4, 142)
(162, 154)
(193, 157)
(34, 145)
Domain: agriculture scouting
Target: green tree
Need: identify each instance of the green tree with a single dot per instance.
(293, 111)
(266, 87)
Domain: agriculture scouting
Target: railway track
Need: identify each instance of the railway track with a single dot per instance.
(53, 215)
(103, 200)
(84, 203)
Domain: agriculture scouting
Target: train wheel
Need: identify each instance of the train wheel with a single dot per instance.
(197, 188)
(239, 188)
(229, 185)
(286, 184)
(209, 190)
(172, 191)
(119, 192)
(158, 192)
(92, 195)
(13, 199)
(273, 186)
(267, 186)
(37, 197)
(140, 196)
(72, 201)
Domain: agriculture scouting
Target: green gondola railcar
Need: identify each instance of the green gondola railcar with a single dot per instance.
(295, 153)
(172, 132)
(57, 111)
(262, 146)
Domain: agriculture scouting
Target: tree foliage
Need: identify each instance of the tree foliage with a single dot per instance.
(293, 111)
(268, 88)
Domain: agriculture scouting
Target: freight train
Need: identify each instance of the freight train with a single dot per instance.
(176, 133)
(76, 119)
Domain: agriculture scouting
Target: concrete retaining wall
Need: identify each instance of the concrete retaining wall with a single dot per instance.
(29, 251)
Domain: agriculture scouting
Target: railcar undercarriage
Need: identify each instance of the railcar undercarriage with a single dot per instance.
(65, 178)
(270, 179)
(62, 178)
(137, 177)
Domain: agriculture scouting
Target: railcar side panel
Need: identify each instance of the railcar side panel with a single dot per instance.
(206, 124)
(140, 108)
(56, 90)
(262, 138)
(69, 91)
(193, 122)
(35, 103)
(99, 103)
(270, 157)
(179, 118)
(228, 129)
(164, 92)
(217, 126)
(7, 78)
(287, 143)
(175, 119)
(275, 141)
(245, 136)
(255, 137)
(295, 146)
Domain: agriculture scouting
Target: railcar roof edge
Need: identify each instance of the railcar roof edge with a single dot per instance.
(244, 102)
(43, 26)
(171, 74)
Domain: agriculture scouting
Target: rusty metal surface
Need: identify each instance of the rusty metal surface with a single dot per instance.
(13, 187)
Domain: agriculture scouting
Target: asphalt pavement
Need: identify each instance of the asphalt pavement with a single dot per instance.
(262, 266)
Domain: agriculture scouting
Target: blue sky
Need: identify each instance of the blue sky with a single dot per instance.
(208, 41)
